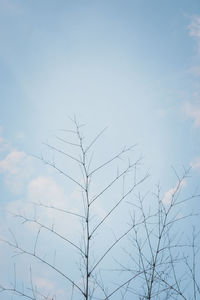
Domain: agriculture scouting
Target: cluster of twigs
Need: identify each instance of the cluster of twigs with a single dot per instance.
(158, 266)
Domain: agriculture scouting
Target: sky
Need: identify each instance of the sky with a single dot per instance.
(131, 66)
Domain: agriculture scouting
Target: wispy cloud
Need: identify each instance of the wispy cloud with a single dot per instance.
(45, 190)
(192, 108)
(193, 112)
(195, 164)
(41, 190)
(17, 167)
(168, 197)
(194, 30)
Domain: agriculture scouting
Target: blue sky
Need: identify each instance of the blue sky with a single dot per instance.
(133, 66)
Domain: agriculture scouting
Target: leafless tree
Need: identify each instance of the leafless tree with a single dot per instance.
(160, 248)
(141, 231)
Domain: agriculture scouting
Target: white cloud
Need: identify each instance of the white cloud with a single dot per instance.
(41, 190)
(195, 164)
(193, 111)
(17, 168)
(45, 190)
(170, 193)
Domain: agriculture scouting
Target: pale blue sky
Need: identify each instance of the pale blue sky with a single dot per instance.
(131, 65)
(125, 65)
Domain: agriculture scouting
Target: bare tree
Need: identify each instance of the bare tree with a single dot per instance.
(159, 246)
(154, 254)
